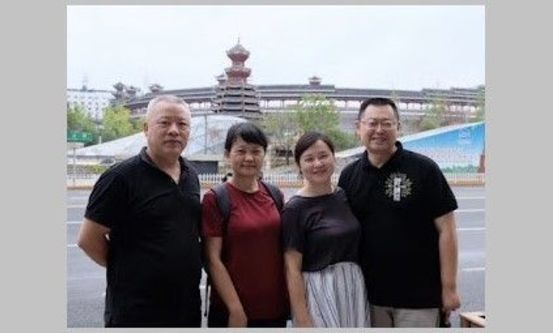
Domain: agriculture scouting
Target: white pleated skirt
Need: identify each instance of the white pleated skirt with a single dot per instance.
(336, 296)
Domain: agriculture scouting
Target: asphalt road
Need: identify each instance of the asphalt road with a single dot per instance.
(86, 280)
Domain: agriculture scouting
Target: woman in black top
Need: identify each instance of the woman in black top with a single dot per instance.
(321, 239)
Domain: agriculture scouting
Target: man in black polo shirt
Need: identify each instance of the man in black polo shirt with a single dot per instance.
(141, 222)
(405, 207)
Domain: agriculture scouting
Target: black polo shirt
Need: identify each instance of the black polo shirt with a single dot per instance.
(154, 263)
(396, 206)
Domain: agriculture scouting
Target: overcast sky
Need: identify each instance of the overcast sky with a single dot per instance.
(389, 47)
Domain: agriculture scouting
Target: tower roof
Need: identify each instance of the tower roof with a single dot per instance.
(315, 80)
(238, 52)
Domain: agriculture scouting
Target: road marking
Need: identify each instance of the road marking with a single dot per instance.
(74, 222)
(476, 210)
(78, 198)
(470, 198)
(92, 277)
(75, 206)
(474, 269)
(471, 229)
(72, 245)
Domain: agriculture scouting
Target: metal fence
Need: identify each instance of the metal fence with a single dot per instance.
(83, 180)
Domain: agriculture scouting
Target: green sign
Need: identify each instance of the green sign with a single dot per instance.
(76, 136)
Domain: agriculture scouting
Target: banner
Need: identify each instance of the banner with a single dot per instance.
(458, 148)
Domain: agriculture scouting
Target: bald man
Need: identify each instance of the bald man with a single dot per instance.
(141, 223)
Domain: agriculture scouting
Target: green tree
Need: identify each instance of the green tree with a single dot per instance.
(317, 113)
(283, 130)
(138, 124)
(434, 117)
(117, 123)
(343, 140)
(79, 120)
(480, 106)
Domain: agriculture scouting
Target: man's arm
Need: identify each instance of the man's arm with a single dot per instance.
(448, 261)
(93, 239)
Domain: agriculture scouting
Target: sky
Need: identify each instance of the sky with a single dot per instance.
(376, 47)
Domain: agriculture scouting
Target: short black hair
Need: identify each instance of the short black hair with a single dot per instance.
(226, 177)
(379, 101)
(247, 132)
(309, 139)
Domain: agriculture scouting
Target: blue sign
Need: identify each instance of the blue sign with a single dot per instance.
(458, 148)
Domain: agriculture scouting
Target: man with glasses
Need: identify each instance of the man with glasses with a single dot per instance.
(405, 207)
(142, 224)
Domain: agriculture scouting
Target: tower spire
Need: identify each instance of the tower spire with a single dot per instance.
(85, 82)
(234, 95)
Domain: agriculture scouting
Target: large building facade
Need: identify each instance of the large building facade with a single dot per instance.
(233, 95)
(93, 101)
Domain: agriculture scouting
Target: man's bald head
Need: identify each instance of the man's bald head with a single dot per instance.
(171, 99)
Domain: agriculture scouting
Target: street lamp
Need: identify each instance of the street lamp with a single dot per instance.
(99, 130)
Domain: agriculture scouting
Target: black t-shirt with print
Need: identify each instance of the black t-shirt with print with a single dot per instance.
(396, 206)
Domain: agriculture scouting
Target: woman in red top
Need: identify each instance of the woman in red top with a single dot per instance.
(244, 255)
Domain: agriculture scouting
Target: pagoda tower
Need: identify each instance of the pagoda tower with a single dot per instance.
(233, 94)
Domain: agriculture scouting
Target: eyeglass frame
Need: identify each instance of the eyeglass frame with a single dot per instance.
(383, 123)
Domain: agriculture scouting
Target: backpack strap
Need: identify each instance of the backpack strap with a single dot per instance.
(223, 204)
(223, 201)
(276, 194)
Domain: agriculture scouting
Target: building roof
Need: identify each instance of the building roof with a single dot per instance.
(238, 49)
(205, 138)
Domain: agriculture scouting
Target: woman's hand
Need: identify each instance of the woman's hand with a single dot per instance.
(237, 318)
(303, 322)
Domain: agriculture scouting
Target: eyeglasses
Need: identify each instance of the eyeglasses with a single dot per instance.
(386, 124)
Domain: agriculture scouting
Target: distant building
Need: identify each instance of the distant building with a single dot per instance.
(92, 100)
(234, 95)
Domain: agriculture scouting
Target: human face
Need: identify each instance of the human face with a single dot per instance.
(167, 129)
(317, 163)
(245, 159)
(378, 129)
